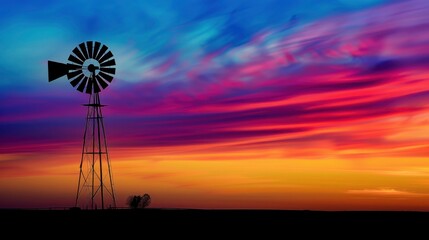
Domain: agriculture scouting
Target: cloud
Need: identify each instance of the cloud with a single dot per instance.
(340, 78)
(388, 192)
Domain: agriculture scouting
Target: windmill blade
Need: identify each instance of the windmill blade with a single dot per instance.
(108, 63)
(101, 53)
(77, 80)
(74, 59)
(96, 87)
(83, 49)
(89, 48)
(105, 57)
(78, 54)
(105, 76)
(82, 85)
(73, 66)
(96, 48)
(89, 87)
(71, 75)
(102, 83)
(108, 70)
(56, 70)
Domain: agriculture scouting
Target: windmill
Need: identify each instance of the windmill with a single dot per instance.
(90, 69)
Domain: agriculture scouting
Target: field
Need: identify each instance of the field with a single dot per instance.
(179, 221)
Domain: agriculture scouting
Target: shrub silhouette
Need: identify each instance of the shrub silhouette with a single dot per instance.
(137, 201)
(145, 200)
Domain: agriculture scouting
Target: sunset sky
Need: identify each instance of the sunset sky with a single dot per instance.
(266, 104)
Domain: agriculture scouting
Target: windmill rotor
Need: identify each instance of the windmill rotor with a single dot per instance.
(90, 69)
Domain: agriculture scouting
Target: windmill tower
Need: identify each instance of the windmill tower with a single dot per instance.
(90, 69)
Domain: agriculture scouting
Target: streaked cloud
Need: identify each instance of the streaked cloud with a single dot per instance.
(384, 192)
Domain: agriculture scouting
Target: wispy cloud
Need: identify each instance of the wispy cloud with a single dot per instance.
(384, 192)
(341, 79)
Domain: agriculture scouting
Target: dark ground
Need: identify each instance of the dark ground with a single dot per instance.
(164, 222)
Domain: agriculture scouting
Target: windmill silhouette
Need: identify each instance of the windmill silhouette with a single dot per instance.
(90, 69)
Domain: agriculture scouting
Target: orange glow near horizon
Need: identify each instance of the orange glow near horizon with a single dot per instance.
(271, 178)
